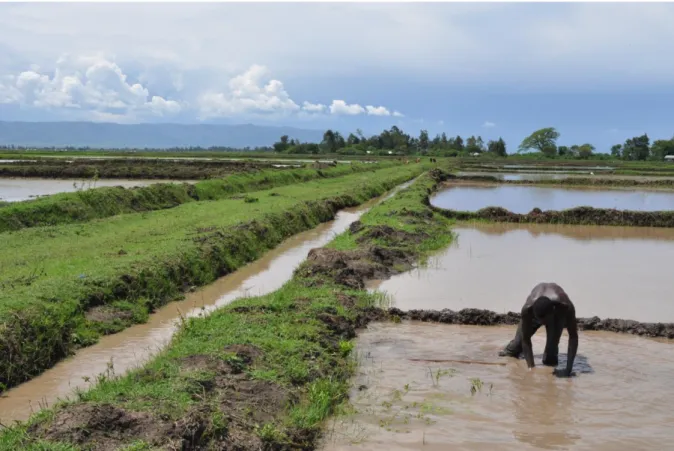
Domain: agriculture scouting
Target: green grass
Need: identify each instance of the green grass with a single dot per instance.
(85, 205)
(51, 276)
(301, 354)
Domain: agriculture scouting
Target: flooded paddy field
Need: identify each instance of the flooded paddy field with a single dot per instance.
(616, 272)
(404, 399)
(20, 189)
(522, 199)
(561, 175)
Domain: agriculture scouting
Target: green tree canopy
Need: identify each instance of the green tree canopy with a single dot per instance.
(543, 140)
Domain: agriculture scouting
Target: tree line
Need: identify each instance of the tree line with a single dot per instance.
(541, 143)
(392, 141)
(638, 148)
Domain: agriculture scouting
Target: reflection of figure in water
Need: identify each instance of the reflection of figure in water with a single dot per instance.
(547, 305)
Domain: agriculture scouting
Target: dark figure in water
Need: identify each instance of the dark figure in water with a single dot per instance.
(547, 305)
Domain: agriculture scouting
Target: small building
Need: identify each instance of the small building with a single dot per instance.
(669, 158)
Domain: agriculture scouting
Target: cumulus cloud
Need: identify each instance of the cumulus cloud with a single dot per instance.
(99, 89)
(488, 124)
(251, 92)
(90, 83)
(398, 114)
(313, 107)
(377, 111)
(255, 92)
(341, 107)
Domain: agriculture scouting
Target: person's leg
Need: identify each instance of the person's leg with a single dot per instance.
(553, 331)
(514, 348)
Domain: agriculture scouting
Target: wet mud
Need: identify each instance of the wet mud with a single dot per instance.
(238, 401)
(439, 387)
(133, 346)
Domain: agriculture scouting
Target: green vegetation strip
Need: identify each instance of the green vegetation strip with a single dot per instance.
(62, 287)
(104, 202)
(260, 373)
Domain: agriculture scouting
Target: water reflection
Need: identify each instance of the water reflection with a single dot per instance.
(19, 189)
(522, 199)
(618, 272)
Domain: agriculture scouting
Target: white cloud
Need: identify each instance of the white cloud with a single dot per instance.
(96, 86)
(251, 92)
(488, 124)
(341, 107)
(313, 107)
(85, 83)
(398, 114)
(254, 92)
(377, 111)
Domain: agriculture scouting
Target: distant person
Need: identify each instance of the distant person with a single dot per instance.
(548, 305)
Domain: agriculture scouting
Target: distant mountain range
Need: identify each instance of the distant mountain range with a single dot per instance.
(110, 135)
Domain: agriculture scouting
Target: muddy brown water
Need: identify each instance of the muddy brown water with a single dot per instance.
(522, 199)
(614, 272)
(133, 346)
(19, 189)
(564, 175)
(620, 400)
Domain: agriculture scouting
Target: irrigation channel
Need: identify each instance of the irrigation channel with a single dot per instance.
(424, 385)
(133, 346)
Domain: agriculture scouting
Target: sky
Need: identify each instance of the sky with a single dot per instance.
(598, 72)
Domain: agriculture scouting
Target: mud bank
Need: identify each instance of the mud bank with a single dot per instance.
(260, 373)
(479, 317)
(104, 202)
(125, 168)
(36, 334)
(578, 215)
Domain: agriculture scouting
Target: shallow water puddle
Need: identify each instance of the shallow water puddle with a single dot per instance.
(620, 400)
(523, 199)
(131, 347)
(614, 272)
(20, 189)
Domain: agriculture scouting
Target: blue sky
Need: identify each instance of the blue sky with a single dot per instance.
(599, 72)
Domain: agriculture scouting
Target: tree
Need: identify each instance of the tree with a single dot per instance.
(282, 145)
(497, 147)
(662, 148)
(563, 150)
(458, 143)
(423, 140)
(352, 140)
(329, 142)
(637, 148)
(585, 151)
(340, 143)
(543, 140)
(474, 144)
(617, 150)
